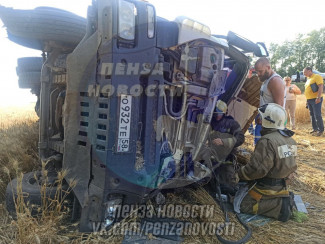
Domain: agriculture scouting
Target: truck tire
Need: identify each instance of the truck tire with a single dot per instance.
(32, 28)
(28, 64)
(29, 80)
(31, 192)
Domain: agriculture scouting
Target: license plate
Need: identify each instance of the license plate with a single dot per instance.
(123, 141)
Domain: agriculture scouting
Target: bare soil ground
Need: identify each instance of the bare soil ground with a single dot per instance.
(18, 153)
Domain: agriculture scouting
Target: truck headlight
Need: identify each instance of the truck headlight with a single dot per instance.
(111, 213)
(151, 21)
(126, 20)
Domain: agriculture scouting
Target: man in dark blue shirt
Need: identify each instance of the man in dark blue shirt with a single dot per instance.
(226, 124)
(226, 134)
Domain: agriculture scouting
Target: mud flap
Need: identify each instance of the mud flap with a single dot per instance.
(91, 215)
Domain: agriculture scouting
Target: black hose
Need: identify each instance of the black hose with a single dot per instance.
(244, 239)
(223, 207)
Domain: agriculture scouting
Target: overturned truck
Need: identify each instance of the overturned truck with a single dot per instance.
(125, 98)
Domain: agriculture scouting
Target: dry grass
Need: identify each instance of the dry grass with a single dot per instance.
(200, 197)
(18, 152)
(44, 227)
(18, 144)
(11, 116)
(302, 113)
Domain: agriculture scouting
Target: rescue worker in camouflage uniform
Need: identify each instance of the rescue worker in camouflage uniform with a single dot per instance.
(225, 136)
(226, 124)
(271, 164)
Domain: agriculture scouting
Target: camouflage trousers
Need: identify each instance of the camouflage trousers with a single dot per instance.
(270, 201)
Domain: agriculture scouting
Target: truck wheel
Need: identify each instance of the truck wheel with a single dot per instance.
(32, 28)
(31, 192)
(29, 64)
(29, 79)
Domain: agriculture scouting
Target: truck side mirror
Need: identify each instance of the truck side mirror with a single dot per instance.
(261, 51)
(259, 48)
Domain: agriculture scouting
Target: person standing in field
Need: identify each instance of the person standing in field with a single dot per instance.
(291, 91)
(273, 87)
(298, 76)
(272, 90)
(313, 92)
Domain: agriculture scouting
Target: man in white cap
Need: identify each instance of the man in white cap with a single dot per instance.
(225, 137)
(226, 124)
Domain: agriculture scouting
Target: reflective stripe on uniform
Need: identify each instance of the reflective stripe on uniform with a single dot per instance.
(255, 195)
(272, 192)
(255, 208)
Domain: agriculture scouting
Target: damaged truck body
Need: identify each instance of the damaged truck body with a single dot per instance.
(125, 98)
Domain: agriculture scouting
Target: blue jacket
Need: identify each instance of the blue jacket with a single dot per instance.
(229, 125)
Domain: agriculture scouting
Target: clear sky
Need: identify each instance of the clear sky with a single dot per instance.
(257, 20)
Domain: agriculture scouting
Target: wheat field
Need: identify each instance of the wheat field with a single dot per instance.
(18, 153)
(302, 113)
(18, 144)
